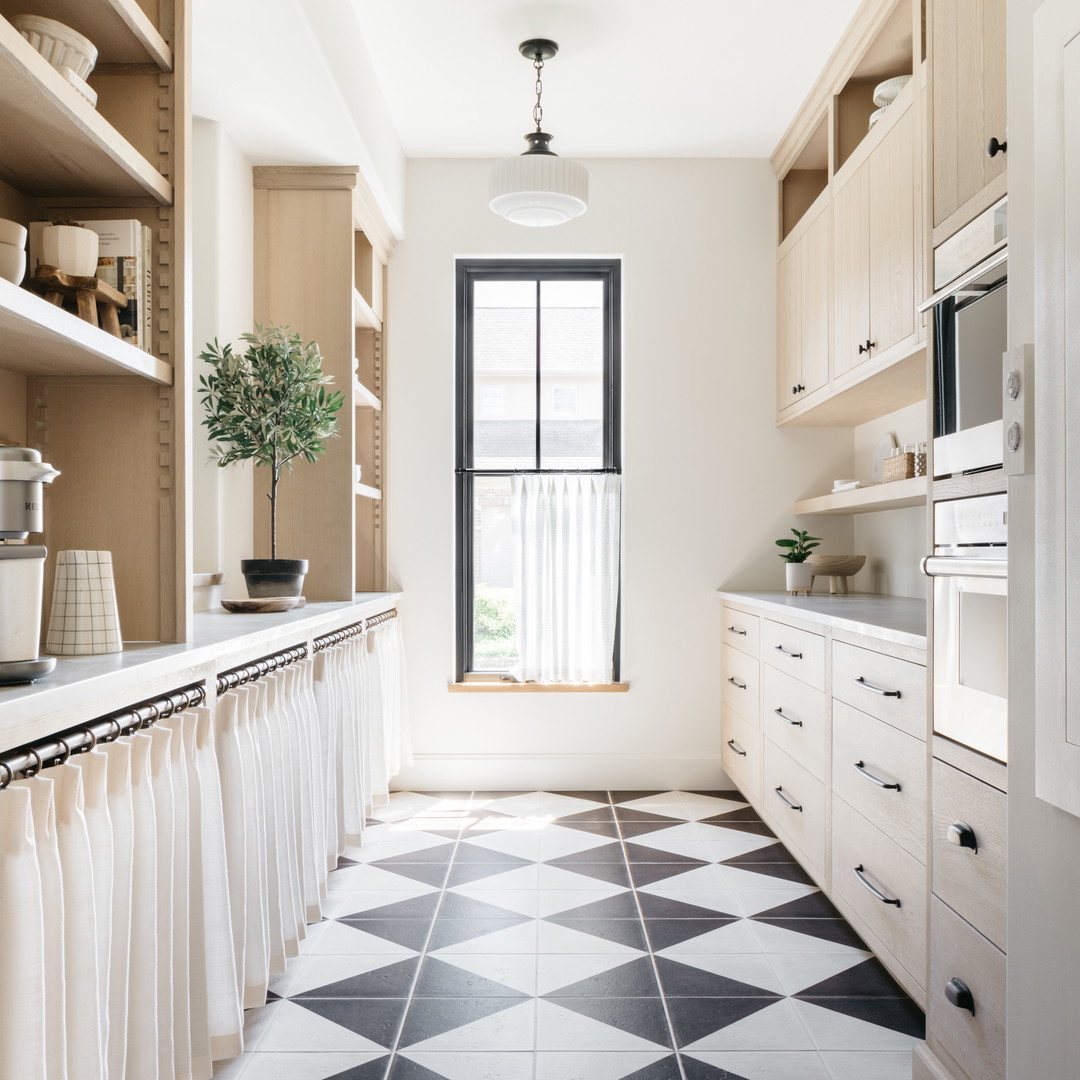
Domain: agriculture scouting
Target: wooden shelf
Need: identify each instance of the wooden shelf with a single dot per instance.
(37, 338)
(366, 491)
(121, 30)
(364, 316)
(64, 146)
(895, 496)
(363, 398)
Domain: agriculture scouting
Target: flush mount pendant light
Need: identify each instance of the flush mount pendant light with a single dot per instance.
(538, 188)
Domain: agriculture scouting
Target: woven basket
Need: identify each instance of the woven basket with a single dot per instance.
(898, 467)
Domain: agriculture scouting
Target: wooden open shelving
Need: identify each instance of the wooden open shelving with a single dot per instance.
(363, 398)
(66, 147)
(364, 317)
(366, 491)
(894, 496)
(121, 30)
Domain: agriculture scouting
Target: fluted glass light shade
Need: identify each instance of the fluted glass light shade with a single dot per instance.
(538, 189)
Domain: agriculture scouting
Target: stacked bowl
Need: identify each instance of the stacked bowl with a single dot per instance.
(67, 50)
(12, 251)
(885, 94)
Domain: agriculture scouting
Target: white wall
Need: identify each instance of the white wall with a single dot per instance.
(222, 223)
(709, 480)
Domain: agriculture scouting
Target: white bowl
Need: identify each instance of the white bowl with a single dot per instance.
(59, 44)
(11, 232)
(876, 116)
(81, 85)
(12, 263)
(885, 92)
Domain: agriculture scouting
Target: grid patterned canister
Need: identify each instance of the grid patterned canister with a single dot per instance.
(84, 619)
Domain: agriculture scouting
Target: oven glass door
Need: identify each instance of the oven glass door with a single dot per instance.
(971, 635)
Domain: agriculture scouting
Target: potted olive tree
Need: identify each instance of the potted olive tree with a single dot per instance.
(270, 405)
(797, 573)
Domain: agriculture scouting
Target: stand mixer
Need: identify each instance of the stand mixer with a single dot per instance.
(22, 566)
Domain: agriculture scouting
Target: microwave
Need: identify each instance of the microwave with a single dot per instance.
(970, 319)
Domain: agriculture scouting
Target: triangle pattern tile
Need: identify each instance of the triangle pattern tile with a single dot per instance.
(834, 1029)
(731, 794)
(595, 814)
(439, 979)
(559, 843)
(815, 905)
(722, 903)
(625, 931)
(544, 804)
(665, 1069)
(470, 1065)
(593, 796)
(508, 901)
(430, 1017)
(777, 1027)
(556, 970)
(374, 1020)
(836, 931)
(465, 872)
(655, 906)
(743, 825)
(473, 851)
(900, 1015)
(518, 971)
(663, 933)
(408, 933)
(748, 848)
(684, 804)
(447, 932)
(620, 797)
(631, 980)
(682, 980)
(649, 873)
(567, 939)
(390, 980)
(607, 1065)
(695, 1069)
(457, 906)
(868, 979)
(597, 828)
(441, 854)
(342, 861)
(755, 1065)
(405, 1069)
(612, 872)
(312, 1066)
(750, 969)
(476, 1024)
(370, 1070)
(785, 869)
(695, 1018)
(751, 901)
(606, 853)
(428, 873)
(563, 1029)
(416, 907)
(640, 853)
(643, 1018)
(518, 938)
(317, 971)
(732, 937)
(621, 905)
(797, 971)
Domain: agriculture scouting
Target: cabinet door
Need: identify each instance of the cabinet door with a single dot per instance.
(969, 107)
(816, 247)
(788, 326)
(893, 234)
(851, 269)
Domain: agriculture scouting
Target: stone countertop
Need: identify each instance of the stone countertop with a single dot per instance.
(899, 619)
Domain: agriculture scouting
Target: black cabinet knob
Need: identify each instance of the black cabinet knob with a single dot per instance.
(866, 346)
(993, 148)
(962, 835)
(959, 994)
(798, 389)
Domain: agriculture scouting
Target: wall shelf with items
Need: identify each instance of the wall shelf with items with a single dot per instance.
(363, 398)
(366, 491)
(364, 316)
(894, 496)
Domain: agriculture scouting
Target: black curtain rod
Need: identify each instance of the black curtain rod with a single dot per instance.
(354, 630)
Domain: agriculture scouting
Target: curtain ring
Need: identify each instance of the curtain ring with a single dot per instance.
(113, 736)
(67, 747)
(9, 777)
(33, 770)
(92, 736)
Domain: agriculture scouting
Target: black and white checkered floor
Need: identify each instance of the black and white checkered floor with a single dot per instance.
(583, 935)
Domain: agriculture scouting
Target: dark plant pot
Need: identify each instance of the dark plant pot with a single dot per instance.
(274, 577)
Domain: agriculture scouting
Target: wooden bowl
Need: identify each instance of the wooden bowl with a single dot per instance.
(836, 565)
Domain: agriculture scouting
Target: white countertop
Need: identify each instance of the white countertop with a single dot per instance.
(899, 619)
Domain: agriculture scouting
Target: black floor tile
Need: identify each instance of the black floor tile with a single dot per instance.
(868, 979)
(629, 796)
(683, 980)
(786, 870)
(815, 905)
(601, 797)
(439, 979)
(597, 828)
(642, 1016)
(836, 930)
(439, 853)
(594, 813)
(694, 1017)
(646, 873)
(624, 931)
(603, 853)
(635, 979)
(663, 933)
(391, 981)
(767, 853)
(370, 1070)
(410, 933)
(419, 907)
(456, 906)
(428, 1017)
(614, 873)
(465, 873)
(447, 932)
(620, 906)
(728, 793)
(664, 1069)
(660, 907)
(642, 853)
(701, 1070)
(728, 817)
(897, 1014)
(377, 1019)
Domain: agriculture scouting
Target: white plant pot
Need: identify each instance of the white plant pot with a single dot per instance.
(71, 249)
(798, 575)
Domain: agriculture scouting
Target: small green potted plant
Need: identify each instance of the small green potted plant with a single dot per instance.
(795, 554)
(270, 405)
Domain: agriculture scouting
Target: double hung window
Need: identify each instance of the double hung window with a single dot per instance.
(538, 469)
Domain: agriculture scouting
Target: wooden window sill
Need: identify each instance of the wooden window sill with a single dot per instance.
(500, 686)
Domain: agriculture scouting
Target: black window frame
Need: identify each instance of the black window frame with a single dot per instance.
(467, 273)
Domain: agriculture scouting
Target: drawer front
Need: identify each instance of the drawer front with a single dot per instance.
(970, 879)
(881, 772)
(798, 652)
(793, 716)
(892, 690)
(741, 755)
(975, 1044)
(741, 631)
(803, 828)
(741, 675)
(899, 928)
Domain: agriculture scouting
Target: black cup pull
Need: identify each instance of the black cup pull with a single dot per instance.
(993, 147)
(959, 994)
(962, 835)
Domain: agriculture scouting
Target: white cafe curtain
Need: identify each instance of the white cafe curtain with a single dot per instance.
(566, 575)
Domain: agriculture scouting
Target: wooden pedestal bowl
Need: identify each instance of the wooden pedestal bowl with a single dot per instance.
(837, 568)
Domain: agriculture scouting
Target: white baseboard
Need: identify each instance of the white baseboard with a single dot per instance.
(562, 772)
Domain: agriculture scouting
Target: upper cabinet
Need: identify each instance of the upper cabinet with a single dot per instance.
(967, 63)
(850, 266)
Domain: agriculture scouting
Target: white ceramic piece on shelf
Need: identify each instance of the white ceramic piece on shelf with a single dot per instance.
(885, 92)
(797, 576)
(876, 116)
(59, 44)
(11, 232)
(70, 248)
(84, 620)
(22, 574)
(12, 263)
(81, 85)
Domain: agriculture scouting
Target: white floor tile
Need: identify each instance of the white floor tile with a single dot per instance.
(375, 879)
(523, 901)
(541, 804)
(295, 1028)
(514, 939)
(683, 804)
(507, 1030)
(736, 878)
(562, 1029)
(556, 901)
(767, 1065)
(479, 1065)
(797, 971)
(705, 879)
(776, 1027)
(231, 1069)
(754, 900)
(722, 901)
(604, 1065)
(311, 1066)
(516, 970)
(561, 939)
(855, 1065)
(775, 939)
(755, 969)
(831, 1030)
(405, 804)
(257, 1022)
(350, 939)
(734, 937)
(558, 970)
(320, 971)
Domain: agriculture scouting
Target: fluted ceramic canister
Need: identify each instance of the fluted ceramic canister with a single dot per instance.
(84, 619)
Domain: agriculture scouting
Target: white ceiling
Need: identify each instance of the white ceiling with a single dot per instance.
(633, 78)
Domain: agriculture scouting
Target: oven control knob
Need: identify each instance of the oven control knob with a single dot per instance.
(1012, 437)
(1012, 384)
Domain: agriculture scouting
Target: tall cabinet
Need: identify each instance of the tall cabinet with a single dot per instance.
(321, 249)
(111, 417)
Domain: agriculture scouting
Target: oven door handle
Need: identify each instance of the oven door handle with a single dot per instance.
(957, 566)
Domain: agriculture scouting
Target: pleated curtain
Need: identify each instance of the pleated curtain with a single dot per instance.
(150, 887)
(566, 575)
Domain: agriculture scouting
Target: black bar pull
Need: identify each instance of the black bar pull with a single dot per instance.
(736, 630)
(859, 872)
(793, 655)
(734, 746)
(860, 768)
(787, 719)
(877, 689)
(786, 801)
(740, 685)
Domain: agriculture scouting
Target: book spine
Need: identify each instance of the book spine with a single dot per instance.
(146, 283)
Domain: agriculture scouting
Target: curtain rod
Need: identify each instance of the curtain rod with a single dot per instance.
(256, 669)
(353, 630)
(56, 749)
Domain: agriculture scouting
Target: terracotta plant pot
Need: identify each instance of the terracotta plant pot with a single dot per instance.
(274, 577)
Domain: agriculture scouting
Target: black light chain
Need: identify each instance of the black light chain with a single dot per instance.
(538, 109)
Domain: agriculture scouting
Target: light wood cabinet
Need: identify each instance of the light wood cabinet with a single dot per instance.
(111, 417)
(320, 258)
(968, 82)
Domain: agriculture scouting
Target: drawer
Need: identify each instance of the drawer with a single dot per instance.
(973, 1044)
(793, 716)
(741, 631)
(897, 928)
(800, 820)
(798, 652)
(881, 772)
(741, 675)
(971, 880)
(892, 690)
(741, 755)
